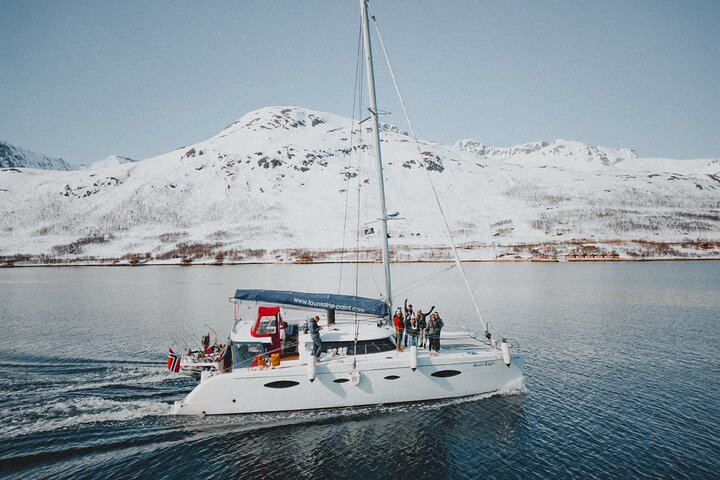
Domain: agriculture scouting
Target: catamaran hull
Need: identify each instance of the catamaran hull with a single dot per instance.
(336, 385)
(195, 369)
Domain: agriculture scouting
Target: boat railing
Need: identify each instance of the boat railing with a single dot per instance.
(513, 345)
(236, 326)
(493, 342)
(495, 338)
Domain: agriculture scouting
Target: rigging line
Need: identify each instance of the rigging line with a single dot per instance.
(372, 265)
(412, 285)
(372, 274)
(179, 342)
(359, 202)
(349, 162)
(183, 343)
(357, 233)
(359, 159)
(458, 262)
(192, 336)
(366, 207)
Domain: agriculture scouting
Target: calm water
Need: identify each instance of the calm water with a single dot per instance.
(622, 377)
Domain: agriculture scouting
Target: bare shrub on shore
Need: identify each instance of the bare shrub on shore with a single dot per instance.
(465, 229)
(43, 231)
(172, 236)
(138, 256)
(658, 223)
(191, 251)
(219, 235)
(550, 221)
(20, 257)
(535, 194)
(239, 255)
(653, 250)
(76, 247)
(501, 223)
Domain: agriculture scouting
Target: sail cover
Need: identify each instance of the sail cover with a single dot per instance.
(315, 301)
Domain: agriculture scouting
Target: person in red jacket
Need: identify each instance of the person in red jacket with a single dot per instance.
(399, 322)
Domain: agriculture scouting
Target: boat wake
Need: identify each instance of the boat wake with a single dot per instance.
(71, 394)
(74, 412)
(125, 378)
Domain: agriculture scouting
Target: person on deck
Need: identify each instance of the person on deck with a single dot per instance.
(283, 334)
(398, 321)
(441, 325)
(315, 335)
(409, 314)
(413, 331)
(422, 325)
(435, 325)
(408, 308)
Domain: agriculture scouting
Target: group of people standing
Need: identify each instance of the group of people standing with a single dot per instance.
(417, 328)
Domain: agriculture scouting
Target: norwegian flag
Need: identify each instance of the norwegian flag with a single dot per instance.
(173, 361)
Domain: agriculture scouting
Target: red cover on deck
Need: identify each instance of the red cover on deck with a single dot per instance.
(274, 337)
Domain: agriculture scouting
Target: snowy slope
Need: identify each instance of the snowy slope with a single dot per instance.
(16, 157)
(107, 162)
(273, 186)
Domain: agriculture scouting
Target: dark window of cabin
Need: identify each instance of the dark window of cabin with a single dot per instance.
(244, 353)
(363, 346)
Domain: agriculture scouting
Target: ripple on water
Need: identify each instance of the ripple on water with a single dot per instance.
(621, 384)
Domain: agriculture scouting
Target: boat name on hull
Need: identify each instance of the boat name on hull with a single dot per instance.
(484, 364)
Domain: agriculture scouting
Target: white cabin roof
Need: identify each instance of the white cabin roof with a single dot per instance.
(345, 332)
(241, 333)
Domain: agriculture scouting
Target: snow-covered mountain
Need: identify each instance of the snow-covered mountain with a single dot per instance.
(282, 183)
(561, 153)
(16, 157)
(107, 162)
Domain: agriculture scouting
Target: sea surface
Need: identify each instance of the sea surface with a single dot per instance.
(622, 376)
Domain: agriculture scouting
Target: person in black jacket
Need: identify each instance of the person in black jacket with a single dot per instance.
(315, 336)
(409, 315)
(421, 319)
(422, 325)
(413, 332)
(434, 327)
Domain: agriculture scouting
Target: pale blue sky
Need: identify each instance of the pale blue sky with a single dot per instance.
(85, 79)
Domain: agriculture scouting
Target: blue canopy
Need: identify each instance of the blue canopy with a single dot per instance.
(316, 301)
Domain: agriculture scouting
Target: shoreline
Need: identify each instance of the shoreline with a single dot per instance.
(336, 262)
(575, 250)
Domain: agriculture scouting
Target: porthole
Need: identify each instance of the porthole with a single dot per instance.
(282, 384)
(392, 377)
(341, 380)
(445, 373)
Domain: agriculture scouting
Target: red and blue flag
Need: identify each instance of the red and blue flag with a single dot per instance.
(173, 361)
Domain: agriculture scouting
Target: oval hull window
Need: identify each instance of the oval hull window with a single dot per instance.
(282, 384)
(391, 377)
(445, 373)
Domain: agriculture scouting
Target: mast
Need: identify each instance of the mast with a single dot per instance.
(378, 155)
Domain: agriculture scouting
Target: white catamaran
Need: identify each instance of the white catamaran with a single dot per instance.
(268, 365)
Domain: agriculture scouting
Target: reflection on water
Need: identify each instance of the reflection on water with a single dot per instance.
(621, 377)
